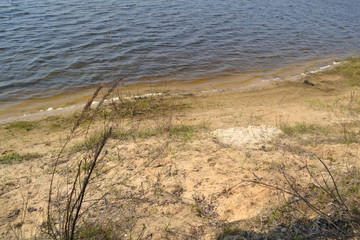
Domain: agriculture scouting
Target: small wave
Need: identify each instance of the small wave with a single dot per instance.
(78, 65)
(321, 69)
(72, 44)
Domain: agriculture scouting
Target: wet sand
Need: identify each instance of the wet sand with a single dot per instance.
(66, 103)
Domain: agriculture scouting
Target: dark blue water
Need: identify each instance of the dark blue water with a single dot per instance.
(49, 47)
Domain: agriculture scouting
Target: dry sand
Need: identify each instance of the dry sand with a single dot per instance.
(182, 188)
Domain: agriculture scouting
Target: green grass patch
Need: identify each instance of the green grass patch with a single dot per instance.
(303, 128)
(22, 125)
(350, 70)
(15, 157)
(182, 132)
(348, 136)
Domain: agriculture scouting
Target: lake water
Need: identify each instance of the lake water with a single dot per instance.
(50, 47)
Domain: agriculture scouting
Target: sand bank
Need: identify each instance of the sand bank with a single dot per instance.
(186, 165)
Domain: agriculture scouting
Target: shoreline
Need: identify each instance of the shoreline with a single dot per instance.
(194, 158)
(67, 103)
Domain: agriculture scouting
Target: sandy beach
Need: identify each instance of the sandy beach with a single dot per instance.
(215, 162)
(69, 101)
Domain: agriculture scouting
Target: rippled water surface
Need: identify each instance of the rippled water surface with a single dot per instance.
(49, 47)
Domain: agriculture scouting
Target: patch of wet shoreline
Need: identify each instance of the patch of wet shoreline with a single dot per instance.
(69, 102)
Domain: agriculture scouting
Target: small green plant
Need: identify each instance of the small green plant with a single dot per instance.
(349, 135)
(22, 125)
(95, 231)
(167, 228)
(196, 209)
(15, 157)
(203, 208)
(86, 166)
(184, 132)
(231, 231)
(349, 138)
(89, 143)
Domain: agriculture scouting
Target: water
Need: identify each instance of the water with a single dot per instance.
(50, 47)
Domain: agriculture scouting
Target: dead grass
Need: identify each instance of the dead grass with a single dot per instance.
(347, 105)
(147, 106)
(326, 206)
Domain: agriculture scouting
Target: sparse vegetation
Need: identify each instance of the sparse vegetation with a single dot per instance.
(347, 105)
(148, 106)
(343, 133)
(124, 135)
(160, 169)
(350, 70)
(15, 157)
(64, 213)
(303, 128)
(325, 207)
(204, 208)
(96, 231)
(183, 132)
(349, 133)
(89, 142)
(231, 231)
(22, 125)
(59, 122)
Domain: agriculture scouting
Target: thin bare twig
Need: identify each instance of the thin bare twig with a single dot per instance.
(334, 182)
(50, 228)
(80, 199)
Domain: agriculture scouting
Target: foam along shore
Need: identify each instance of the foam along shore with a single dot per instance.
(255, 84)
